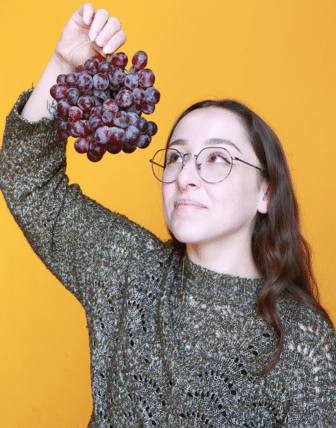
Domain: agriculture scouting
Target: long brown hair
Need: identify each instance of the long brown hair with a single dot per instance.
(280, 252)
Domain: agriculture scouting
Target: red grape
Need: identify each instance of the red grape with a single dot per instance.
(97, 149)
(63, 128)
(139, 60)
(96, 110)
(100, 81)
(70, 80)
(99, 58)
(95, 121)
(132, 135)
(102, 135)
(82, 144)
(152, 95)
(139, 95)
(75, 113)
(58, 91)
(63, 108)
(102, 95)
(61, 78)
(124, 98)
(84, 82)
(148, 108)
(114, 150)
(108, 117)
(133, 118)
(146, 78)
(79, 128)
(119, 59)
(104, 67)
(152, 128)
(101, 104)
(131, 81)
(128, 148)
(91, 66)
(116, 137)
(134, 108)
(86, 102)
(110, 105)
(143, 125)
(116, 76)
(144, 141)
(78, 70)
(121, 119)
(72, 95)
(93, 157)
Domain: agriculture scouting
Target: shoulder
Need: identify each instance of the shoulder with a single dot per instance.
(309, 339)
(311, 329)
(138, 238)
(305, 321)
(308, 364)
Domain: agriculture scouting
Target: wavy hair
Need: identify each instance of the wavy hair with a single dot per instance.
(280, 252)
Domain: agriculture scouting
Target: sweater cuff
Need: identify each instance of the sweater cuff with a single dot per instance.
(18, 127)
(31, 152)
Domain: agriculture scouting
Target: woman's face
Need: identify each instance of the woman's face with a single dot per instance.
(197, 212)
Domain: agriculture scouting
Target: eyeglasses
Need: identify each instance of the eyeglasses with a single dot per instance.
(213, 164)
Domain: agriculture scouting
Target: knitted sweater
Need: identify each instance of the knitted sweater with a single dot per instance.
(163, 354)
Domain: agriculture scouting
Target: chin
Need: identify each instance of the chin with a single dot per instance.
(186, 237)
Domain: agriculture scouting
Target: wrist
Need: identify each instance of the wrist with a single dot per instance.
(59, 66)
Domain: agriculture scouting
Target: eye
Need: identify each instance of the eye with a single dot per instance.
(173, 157)
(218, 158)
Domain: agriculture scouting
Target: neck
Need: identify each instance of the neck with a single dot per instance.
(231, 257)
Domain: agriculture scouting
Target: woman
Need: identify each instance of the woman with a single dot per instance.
(220, 326)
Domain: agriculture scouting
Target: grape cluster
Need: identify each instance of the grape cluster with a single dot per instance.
(100, 104)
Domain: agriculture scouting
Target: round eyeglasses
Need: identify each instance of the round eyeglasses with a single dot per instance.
(213, 164)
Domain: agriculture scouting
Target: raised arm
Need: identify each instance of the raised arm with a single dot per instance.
(74, 236)
(87, 33)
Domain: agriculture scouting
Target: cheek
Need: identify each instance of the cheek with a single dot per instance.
(234, 197)
(166, 193)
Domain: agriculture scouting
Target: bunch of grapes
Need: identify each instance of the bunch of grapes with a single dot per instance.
(100, 103)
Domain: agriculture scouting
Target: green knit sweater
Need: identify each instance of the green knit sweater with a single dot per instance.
(159, 359)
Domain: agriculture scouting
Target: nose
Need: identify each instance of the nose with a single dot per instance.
(188, 176)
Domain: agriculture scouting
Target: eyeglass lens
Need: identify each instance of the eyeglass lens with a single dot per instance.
(213, 164)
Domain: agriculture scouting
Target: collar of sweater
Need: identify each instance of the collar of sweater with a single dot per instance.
(210, 286)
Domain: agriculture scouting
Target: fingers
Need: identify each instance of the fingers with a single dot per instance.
(100, 18)
(106, 31)
(111, 27)
(115, 42)
(86, 12)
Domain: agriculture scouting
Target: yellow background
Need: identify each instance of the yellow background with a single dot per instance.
(276, 56)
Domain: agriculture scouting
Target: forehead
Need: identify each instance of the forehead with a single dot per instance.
(210, 123)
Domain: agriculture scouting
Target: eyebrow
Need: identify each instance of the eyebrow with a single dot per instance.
(182, 142)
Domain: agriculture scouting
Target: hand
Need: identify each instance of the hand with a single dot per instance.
(87, 33)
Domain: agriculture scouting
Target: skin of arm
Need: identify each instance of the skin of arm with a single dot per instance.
(87, 33)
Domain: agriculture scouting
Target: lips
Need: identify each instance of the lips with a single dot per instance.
(192, 203)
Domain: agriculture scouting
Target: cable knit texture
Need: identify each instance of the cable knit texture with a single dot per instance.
(158, 357)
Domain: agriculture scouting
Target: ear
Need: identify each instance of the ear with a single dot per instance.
(265, 192)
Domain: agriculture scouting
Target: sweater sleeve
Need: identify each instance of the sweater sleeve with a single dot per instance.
(67, 230)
